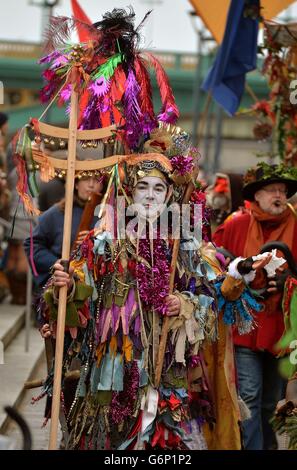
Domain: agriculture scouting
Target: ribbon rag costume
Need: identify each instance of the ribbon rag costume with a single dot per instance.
(116, 306)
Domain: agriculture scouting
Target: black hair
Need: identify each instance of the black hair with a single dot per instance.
(3, 119)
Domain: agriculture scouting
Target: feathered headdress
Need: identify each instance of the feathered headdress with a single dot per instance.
(111, 75)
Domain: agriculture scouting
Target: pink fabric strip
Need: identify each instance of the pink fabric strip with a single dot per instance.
(32, 251)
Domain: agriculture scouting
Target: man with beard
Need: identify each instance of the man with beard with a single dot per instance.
(270, 219)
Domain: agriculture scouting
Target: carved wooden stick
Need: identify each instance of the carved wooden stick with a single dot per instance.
(164, 332)
(65, 255)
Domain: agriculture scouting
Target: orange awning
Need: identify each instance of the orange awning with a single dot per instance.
(214, 13)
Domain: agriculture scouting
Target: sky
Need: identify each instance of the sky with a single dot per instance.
(169, 27)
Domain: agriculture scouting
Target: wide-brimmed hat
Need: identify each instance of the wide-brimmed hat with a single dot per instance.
(264, 174)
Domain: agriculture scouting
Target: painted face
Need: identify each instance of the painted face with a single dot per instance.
(272, 198)
(87, 186)
(150, 192)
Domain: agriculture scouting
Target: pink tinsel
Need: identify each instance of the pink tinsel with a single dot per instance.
(194, 361)
(153, 282)
(182, 165)
(122, 403)
(198, 197)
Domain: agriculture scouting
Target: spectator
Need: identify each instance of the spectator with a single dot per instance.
(224, 197)
(48, 234)
(50, 193)
(270, 219)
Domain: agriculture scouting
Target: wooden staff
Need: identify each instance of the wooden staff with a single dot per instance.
(65, 256)
(164, 332)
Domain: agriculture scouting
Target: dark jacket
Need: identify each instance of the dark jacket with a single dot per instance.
(48, 238)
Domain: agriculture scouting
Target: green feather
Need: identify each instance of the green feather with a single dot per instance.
(107, 69)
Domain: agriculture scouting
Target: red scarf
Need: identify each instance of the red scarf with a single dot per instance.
(282, 229)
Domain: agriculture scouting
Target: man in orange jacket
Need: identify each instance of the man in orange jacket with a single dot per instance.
(270, 219)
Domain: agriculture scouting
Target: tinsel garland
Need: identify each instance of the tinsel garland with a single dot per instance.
(182, 165)
(153, 282)
(122, 403)
(198, 197)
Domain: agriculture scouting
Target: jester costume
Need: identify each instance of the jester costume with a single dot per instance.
(116, 307)
(114, 318)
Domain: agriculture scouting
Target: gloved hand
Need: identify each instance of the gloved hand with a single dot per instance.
(248, 264)
(276, 283)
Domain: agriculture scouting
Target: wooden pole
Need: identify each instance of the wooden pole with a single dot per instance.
(164, 332)
(165, 325)
(65, 256)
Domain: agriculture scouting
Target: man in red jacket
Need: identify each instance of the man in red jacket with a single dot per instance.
(270, 219)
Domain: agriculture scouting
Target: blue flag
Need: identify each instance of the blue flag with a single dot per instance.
(236, 56)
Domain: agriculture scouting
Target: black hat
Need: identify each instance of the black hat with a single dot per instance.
(264, 174)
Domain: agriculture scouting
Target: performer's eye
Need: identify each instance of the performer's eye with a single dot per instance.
(160, 189)
(141, 187)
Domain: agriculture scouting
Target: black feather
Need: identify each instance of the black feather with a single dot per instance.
(143, 20)
(118, 33)
(90, 28)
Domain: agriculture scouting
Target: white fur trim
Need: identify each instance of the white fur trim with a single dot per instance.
(233, 271)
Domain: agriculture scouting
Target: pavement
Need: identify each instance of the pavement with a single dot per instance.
(16, 364)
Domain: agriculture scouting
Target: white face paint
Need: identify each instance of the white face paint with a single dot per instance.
(272, 198)
(150, 192)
